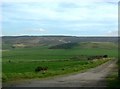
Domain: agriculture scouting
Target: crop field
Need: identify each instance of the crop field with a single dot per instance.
(20, 63)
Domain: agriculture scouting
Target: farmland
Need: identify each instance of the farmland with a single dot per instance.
(20, 62)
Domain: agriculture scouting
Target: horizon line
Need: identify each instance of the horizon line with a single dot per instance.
(59, 35)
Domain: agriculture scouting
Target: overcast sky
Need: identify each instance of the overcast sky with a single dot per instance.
(60, 17)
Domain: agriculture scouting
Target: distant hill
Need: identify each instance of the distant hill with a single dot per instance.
(64, 46)
(83, 45)
(31, 41)
(101, 45)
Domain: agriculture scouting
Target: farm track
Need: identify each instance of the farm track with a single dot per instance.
(94, 77)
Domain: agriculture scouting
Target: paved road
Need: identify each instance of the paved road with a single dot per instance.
(93, 77)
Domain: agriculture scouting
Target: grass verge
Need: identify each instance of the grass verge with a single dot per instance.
(113, 80)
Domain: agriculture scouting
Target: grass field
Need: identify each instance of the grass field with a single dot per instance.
(43, 53)
(20, 63)
(20, 70)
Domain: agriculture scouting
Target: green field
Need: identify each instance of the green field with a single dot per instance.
(20, 63)
(44, 53)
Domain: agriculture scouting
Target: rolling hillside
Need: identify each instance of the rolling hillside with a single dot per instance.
(31, 41)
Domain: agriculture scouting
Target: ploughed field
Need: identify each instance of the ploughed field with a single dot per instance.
(48, 61)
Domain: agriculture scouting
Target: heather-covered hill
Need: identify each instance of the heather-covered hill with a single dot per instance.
(31, 41)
